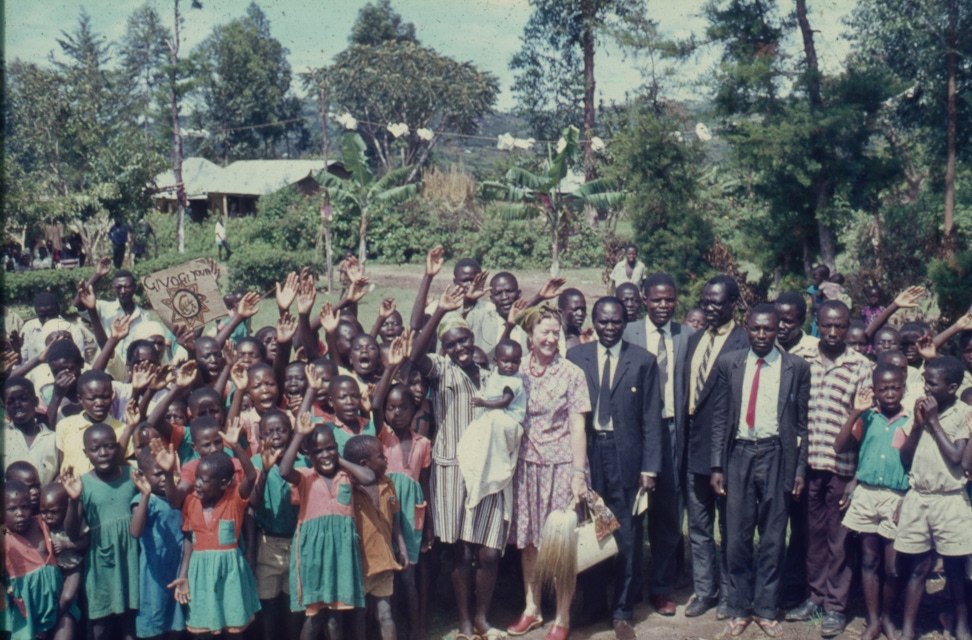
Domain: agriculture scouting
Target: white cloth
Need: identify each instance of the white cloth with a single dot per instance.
(488, 325)
(620, 273)
(35, 334)
(487, 454)
(766, 423)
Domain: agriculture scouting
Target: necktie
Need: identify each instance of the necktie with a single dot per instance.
(662, 358)
(753, 394)
(604, 394)
(700, 379)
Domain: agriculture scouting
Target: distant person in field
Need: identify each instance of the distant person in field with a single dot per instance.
(630, 269)
(221, 239)
(118, 234)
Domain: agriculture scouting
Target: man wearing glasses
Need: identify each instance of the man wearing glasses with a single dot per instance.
(721, 335)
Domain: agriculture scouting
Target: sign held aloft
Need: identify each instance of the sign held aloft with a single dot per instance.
(186, 294)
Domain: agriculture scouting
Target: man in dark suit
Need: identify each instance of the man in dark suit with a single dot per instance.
(759, 459)
(668, 342)
(719, 300)
(624, 433)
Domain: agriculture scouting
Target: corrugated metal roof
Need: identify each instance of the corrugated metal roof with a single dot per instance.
(243, 177)
(197, 174)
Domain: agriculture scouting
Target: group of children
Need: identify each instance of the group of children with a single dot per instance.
(284, 477)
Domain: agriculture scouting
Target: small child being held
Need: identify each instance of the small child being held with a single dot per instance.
(69, 551)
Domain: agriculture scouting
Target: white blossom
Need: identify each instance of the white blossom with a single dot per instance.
(703, 132)
(347, 121)
(424, 134)
(597, 145)
(520, 143)
(397, 130)
(504, 142)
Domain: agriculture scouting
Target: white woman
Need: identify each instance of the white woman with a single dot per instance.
(550, 472)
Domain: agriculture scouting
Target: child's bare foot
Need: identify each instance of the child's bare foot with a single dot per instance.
(890, 631)
(907, 634)
(872, 631)
(962, 632)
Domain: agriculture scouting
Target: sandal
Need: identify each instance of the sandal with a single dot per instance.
(770, 627)
(493, 634)
(736, 626)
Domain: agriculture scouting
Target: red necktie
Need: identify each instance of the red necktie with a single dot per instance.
(753, 393)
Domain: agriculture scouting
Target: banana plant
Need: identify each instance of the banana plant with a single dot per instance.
(550, 195)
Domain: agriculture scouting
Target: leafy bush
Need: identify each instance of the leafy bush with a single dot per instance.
(952, 281)
(259, 266)
(402, 233)
(526, 245)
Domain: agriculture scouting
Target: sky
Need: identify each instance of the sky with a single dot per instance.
(484, 32)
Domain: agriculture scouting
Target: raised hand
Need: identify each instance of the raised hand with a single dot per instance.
(163, 376)
(354, 270)
(386, 308)
(400, 348)
(71, 482)
(307, 295)
(478, 288)
(434, 261)
(286, 328)
(551, 288)
(269, 457)
(330, 318)
(231, 435)
(181, 590)
(10, 360)
(164, 454)
(86, 295)
(185, 337)
(141, 482)
(587, 335)
(103, 267)
(186, 374)
(926, 347)
(518, 307)
(452, 298)
(247, 308)
(287, 291)
(313, 380)
(965, 322)
(239, 376)
(358, 289)
(120, 327)
(64, 381)
(133, 414)
(367, 397)
(304, 424)
(908, 299)
(142, 374)
(864, 399)
(229, 353)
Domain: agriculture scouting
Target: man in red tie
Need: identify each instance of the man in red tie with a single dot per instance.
(759, 455)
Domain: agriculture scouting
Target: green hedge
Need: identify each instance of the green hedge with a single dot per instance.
(952, 281)
(258, 267)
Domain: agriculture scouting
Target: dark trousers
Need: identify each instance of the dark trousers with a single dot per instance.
(606, 481)
(117, 255)
(709, 569)
(794, 590)
(755, 500)
(828, 571)
(665, 518)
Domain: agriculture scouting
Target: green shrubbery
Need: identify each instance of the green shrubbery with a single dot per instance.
(952, 281)
(259, 266)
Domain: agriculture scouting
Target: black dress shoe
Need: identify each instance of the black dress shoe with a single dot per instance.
(699, 606)
(803, 613)
(722, 611)
(833, 624)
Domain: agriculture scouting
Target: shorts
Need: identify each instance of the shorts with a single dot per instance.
(380, 585)
(872, 510)
(939, 521)
(273, 566)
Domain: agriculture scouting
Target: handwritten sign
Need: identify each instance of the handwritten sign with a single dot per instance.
(187, 294)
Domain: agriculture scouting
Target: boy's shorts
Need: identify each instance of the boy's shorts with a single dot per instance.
(273, 566)
(380, 585)
(872, 510)
(939, 521)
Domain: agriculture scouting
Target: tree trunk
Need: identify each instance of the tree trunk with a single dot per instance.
(177, 137)
(363, 239)
(828, 247)
(324, 141)
(330, 256)
(950, 132)
(587, 42)
(555, 248)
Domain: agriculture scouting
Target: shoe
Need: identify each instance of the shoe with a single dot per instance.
(663, 604)
(803, 613)
(833, 624)
(524, 625)
(557, 633)
(623, 630)
(698, 606)
(722, 611)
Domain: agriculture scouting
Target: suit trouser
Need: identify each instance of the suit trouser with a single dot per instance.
(794, 590)
(755, 500)
(709, 570)
(606, 481)
(665, 518)
(828, 571)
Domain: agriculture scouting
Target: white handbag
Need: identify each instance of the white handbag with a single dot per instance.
(590, 550)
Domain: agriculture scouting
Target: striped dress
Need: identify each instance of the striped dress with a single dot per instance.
(452, 394)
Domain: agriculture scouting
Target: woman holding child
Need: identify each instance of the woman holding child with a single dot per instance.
(551, 469)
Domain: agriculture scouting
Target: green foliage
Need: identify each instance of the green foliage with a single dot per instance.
(405, 233)
(378, 22)
(257, 267)
(246, 82)
(952, 281)
(402, 82)
(521, 245)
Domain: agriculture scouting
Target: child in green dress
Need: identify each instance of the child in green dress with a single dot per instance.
(102, 498)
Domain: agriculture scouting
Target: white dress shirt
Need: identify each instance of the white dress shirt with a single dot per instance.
(652, 336)
(766, 424)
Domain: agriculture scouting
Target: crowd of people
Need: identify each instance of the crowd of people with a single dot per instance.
(311, 475)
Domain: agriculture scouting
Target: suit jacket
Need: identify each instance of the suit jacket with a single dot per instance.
(791, 414)
(635, 407)
(635, 334)
(699, 433)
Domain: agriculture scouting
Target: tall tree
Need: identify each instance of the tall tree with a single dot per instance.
(378, 22)
(555, 67)
(247, 104)
(143, 57)
(927, 46)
